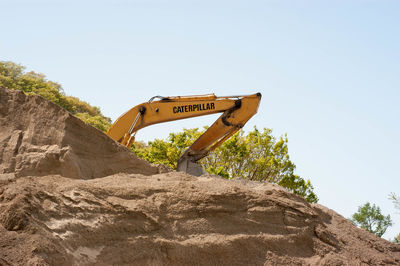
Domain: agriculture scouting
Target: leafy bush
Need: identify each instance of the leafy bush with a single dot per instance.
(255, 156)
(371, 219)
(14, 77)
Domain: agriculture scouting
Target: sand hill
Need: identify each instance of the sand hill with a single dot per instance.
(69, 195)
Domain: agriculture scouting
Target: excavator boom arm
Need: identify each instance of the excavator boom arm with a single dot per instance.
(237, 110)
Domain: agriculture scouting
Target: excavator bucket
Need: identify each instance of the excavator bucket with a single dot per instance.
(192, 168)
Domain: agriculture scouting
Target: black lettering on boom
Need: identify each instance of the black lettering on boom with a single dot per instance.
(193, 108)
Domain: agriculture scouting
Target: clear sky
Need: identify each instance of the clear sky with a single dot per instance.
(329, 72)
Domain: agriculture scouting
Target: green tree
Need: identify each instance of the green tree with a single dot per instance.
(370, 218)
(255, 156)
(395, 199)
(397, 239)
(14, 77)
(168, 151)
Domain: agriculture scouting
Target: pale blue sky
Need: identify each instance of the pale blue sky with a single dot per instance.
(328, 72)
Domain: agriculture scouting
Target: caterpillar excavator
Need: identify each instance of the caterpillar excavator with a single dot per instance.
(236, 111)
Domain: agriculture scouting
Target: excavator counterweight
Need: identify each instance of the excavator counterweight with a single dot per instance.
(236, 111)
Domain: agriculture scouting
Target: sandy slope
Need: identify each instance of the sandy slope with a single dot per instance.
(38, 137)
(71, 196)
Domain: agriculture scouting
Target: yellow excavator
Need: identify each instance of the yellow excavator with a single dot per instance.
(237, 110)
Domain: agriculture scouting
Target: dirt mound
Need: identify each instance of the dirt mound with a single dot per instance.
(175, 219)
(38, 137)
(143, 219)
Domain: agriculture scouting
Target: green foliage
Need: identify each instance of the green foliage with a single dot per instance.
(370, 218)
(255, 156)
(14, 77)
(98, 121)
(218, 171)
(397, 239)
(395, 199)
(166, 152)
(299, 186)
